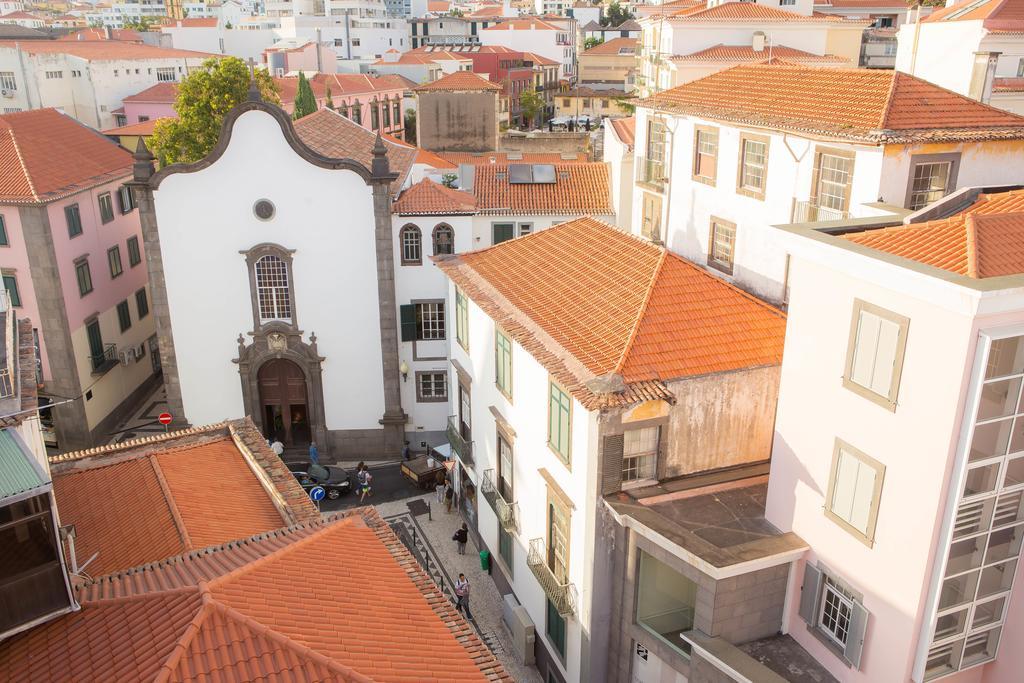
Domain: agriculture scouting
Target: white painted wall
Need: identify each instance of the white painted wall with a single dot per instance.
(945, 52)
(527, 413)
(541, 42)
(334, 271)
(619, 158)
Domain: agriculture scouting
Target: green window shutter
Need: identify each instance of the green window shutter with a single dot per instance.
(4, 242)
(95, 342)
(611, 475)
(503, 232)
(407, 313)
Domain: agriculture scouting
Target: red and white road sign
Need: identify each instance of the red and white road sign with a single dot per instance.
(165, 418)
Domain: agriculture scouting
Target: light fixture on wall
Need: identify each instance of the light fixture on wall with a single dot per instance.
(404, 369)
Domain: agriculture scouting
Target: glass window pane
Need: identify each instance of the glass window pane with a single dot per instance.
(950, 625)
(999, 398)
(965, 554)
(958, 590)
(981, 479)
(996, 579)
(1014, 472)
(943, 659)
(1009, 509)
(1005, 357)
(988, 612)
(665, 601)
(980, 647)
(991, 438)
(1004, 544)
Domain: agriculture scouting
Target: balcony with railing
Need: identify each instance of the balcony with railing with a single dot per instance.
(812, 212)
(101, 362)
(651, 172)
(561, 594)
(459, 441)
(507, 513)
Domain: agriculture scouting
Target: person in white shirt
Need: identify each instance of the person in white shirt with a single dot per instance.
(277, 447)
(462, 596)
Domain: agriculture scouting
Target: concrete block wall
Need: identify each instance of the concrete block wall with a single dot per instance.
(749, 606)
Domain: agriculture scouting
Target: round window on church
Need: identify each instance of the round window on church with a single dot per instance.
(264, 209)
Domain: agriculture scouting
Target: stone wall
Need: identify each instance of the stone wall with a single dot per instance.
(457, 121)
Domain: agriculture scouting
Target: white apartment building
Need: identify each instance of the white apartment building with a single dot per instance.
(896, 454)
(25, 19)
(86, 79)
(553, 39)
(9, 6)
(619, 136)
(122, 12)
(720, 160)
(974, 47)
(683, 41)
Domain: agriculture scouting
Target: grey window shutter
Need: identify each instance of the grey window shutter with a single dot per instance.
(810, 593)
(611, 480)
(407, 313)
(855, 639)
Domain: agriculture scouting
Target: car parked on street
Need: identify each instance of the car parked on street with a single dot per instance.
(335, 480)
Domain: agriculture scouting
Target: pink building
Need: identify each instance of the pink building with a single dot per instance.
(300, 54)
(71, 254)
(374, 102)
(153, 103)
(898, 454)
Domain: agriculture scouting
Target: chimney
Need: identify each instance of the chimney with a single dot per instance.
(982, 76)
(758, 41)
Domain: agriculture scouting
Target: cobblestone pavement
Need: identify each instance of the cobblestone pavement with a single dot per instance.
(432, 545)
(143, 421)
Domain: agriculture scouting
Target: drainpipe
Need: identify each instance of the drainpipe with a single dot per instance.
(348, 38)
(319, 61)
(24, 76)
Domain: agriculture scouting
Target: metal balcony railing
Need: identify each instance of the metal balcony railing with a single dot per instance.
(811, 212)
(650, 171)
(507, 513)
(462, 446)
(561, 595)
(102, 362)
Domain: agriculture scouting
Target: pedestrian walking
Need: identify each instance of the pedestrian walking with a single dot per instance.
(439, 489)
(367, 484)
(277, 447)
(449, 497)
(314, 454)
(406, 452)
(460, 537)
(462, 596)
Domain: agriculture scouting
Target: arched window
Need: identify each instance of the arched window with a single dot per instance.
(272, 293)
(444, 239)
(411, 243)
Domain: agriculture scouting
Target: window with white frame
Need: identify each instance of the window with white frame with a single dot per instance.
(165, 74)
(430, 320)
(930, 182)
(983, 550)
(854, 491)
(874, 360)
(640, 454)
(53, 75)
(834, 612)
(431, 386)
(753, 174)
(272, 291)
(8, 81)
(835, 179)
(722, 245)
(411, 241)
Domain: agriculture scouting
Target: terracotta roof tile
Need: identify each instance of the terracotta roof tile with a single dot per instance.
(161, 93)
(984, 240)
(427, 198)
(144, 501)
(459, 81)
(615, 46)
(540, 59)
(999, 15)
(141, 128)
(46, 155)
(749, 11)
(438, 6)
(579, 189)
(331, 134)
(243, 612)
(424, 57)
(1008, 84)
(746, 53)
(341, 85)
(625, 130)
(106, 50)
(615, 304)
(871, 105)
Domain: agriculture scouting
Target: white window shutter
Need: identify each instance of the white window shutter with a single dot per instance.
(866, 342)
(810, 593)
(845, 486)
(863, 493)
(885, 356)
(855, 639)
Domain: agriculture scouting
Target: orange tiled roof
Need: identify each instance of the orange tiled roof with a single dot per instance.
(868, 105)
(46, 155)
(438, 6)
(578, 190)
(625, 129)
(420, 56)
(341, 85)
(1008, 84)
(141, 128)
(749, 11)
(500, 158)
(1000, 15)
(615, 46)
(245, 612)
(142, 502)
(540, 59)
(459, 81)
(427, 198)
(331, 134)
(746, 53)
(612, 303)
(528, 24)
(161, 93)
(487, 13)
(105, 50)
(984, 240)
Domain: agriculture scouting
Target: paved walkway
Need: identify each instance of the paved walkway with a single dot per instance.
(434, 547)
(143, 421)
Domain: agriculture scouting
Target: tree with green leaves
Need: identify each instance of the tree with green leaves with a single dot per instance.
(410, 126)
(592, 41)
(205, 97)
(140, 24)
(305, 101)
(616, 14)
(531, 104)
(449, 180)
(328, 102)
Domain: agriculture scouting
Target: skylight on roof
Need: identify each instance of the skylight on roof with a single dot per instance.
(970, 7)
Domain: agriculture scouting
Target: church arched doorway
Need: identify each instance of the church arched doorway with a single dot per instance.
(283, 402)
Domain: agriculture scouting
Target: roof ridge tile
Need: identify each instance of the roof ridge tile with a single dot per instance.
(641, 312)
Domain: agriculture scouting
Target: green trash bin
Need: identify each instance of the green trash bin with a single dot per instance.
(485, 560)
